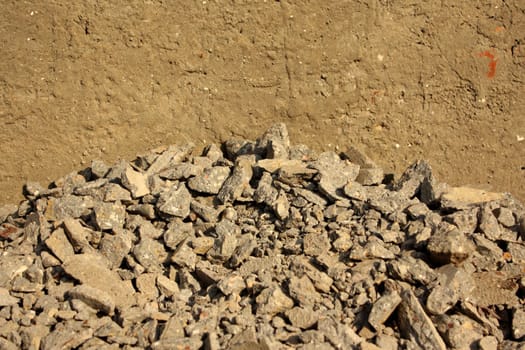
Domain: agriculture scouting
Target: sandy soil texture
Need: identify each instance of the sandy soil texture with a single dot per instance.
(100, 79)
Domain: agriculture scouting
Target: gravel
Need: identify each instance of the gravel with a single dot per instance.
(260, 245)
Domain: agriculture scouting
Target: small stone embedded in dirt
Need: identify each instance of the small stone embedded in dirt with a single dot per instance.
(265, 246)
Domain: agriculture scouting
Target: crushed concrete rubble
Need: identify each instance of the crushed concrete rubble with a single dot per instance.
(260, 245)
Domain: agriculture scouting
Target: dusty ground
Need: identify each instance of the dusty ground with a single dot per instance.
(107, 79)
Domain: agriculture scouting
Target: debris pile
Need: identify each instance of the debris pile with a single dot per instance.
(260, 245)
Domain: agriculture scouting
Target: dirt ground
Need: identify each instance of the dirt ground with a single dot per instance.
(100, 79)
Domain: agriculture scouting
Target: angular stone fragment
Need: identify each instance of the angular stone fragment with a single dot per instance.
(175, 201)
(316, 243)
(110, 216)
(91, 270)
(67, 206)
(146, 210)
(303, 318)
(518, 323)
(96, 298)
(150, 254)
(170, 157)
(411, 270)
(369, 172)
(232, 284)
(265, 192)
(449, 246)
(238, 181)
(184, 257)
(335, 173)
(66, 337)
(410, 182)
(303, 290)
(275, 142)
(166, 286)
(60, 245)
(372, 250)
(383, 308)
(114, 192)
(488, 343)
(205, 212)
(272, 300)
(136, 182)
(182, 171)
(226, 240)
(321, 281)
(177, 232)
(459, 331)
(6, 299)
(453, 284)
(210, 181)
(77, 234)
(415, 324)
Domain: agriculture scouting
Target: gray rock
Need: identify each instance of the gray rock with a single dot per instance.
(316, 243)
(114, 192)
(275, 142)
(226, 241)
(488, 343)
(184, 257)
(372, 250)
(415, 325)
(177, 232)
(116, 247)
(410, 181)
(146, 285)
(169, 158)
(334, 174)
(383, 309)
(210, 181)
(110, 216)
(146, 210)
(272, 300)
(92, 270)
(238, 181)
(231, 284)
(67, 206)
(453, 284)
(411, 270)
(518, 323)
(303, 318)
(6, 299)
(459, 331)
(60, 245)
(136, 182)
(175, 201)
(369, 172)
(449, 245)
(95, 298)
(77, 235)
(182, 171)
(265, 192)
(150, 254)
(205, 212)
(166, 286)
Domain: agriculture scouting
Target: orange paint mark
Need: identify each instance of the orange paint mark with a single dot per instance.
(499, 29)
(492, 63)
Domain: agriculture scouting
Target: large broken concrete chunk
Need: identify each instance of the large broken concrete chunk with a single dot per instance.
(96, 298)
(91, 270)
(135, 182)
(175, 201)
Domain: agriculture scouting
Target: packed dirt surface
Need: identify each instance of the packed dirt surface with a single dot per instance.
(101, 79)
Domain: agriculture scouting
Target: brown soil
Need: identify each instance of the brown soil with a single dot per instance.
(444, 81)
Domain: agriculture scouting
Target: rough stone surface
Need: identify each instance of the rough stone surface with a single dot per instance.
(267, 246)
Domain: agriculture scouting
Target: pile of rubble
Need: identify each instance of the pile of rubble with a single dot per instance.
(260, 245)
